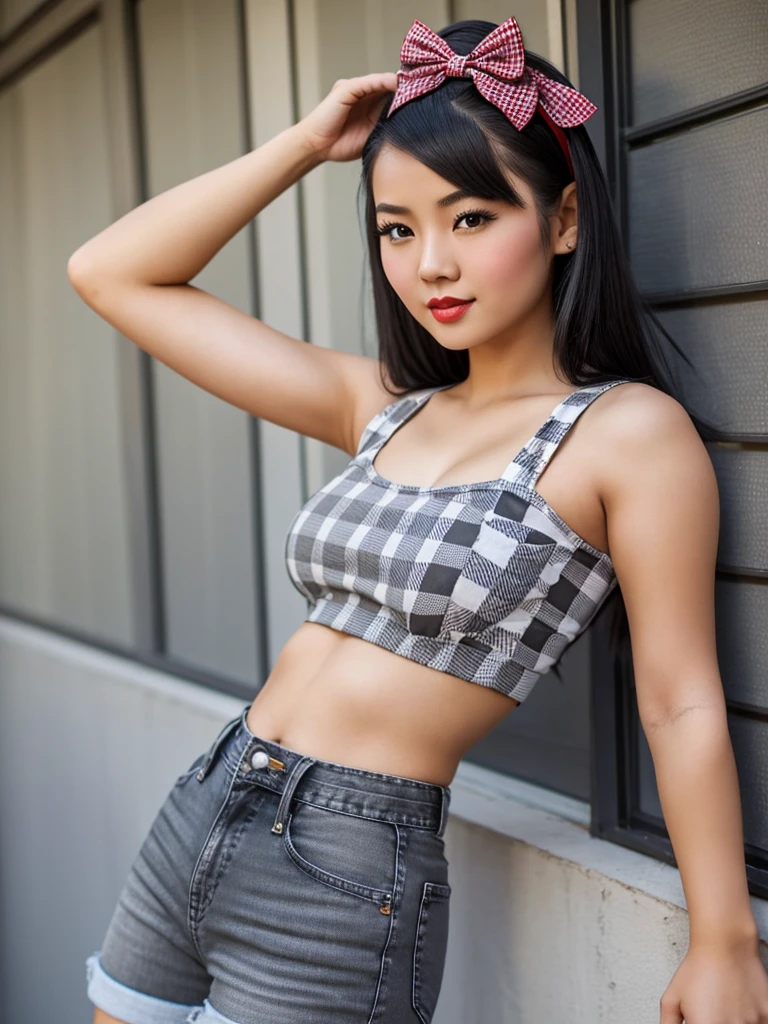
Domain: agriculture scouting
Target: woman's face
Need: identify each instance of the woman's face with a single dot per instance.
(479, 249)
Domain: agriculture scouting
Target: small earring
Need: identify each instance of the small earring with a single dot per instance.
(568, 244)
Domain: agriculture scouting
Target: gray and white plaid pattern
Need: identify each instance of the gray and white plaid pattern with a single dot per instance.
(483, 581)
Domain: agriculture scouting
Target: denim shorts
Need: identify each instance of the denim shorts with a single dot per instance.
(276, 888)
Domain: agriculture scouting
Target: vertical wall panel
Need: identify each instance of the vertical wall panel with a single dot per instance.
(279, 275)
(193, 122)
(63, 532)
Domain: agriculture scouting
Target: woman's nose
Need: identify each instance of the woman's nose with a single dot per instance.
(437, 261)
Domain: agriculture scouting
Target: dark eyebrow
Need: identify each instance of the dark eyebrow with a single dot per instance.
(449, 200)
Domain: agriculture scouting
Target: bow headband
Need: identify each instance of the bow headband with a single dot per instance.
(498, 69)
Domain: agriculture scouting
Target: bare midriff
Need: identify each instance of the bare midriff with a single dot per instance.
(339, 698)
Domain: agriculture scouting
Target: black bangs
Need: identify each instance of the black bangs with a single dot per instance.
(450, 142)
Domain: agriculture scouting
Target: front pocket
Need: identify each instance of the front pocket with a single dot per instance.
(190, 771)
(430, 948)
(504, 567)
(353, 854)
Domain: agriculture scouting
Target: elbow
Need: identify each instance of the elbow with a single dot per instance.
(679, 687)
(658, 717)
(89, 284)
(77, 270)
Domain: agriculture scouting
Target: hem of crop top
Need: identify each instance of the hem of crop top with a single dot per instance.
(452, 657)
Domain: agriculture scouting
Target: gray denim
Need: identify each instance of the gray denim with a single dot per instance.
(276, 888)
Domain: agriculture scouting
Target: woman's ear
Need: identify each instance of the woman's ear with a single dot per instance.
(565, 221)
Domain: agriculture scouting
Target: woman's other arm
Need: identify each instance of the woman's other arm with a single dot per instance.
(662, 506)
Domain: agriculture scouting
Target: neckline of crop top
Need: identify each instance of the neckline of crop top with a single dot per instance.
(523, 470)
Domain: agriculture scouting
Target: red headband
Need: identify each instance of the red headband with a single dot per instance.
(498, 69)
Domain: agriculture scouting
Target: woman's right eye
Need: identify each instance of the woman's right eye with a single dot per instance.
(385, 229)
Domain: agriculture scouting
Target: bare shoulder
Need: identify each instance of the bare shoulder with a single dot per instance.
(636, 427)
(653, 470)
(634, 408)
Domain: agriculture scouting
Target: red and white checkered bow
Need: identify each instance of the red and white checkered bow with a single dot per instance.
(497, 67)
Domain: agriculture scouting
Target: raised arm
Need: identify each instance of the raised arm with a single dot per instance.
(136, 273)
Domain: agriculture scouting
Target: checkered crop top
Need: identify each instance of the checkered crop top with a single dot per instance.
(483, 581)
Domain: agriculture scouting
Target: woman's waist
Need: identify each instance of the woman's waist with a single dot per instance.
(346, 700)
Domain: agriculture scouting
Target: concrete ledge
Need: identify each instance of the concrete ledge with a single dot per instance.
(559, 825)
(113, 666)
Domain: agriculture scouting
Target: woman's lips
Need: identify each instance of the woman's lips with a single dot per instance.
(450, 313)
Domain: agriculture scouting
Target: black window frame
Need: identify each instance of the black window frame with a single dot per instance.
(604, 60)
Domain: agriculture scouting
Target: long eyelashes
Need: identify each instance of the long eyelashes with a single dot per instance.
(384, 229)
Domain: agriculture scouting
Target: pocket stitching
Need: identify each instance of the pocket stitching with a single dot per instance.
(446, 628)
(491, 517)
(431, 893)
(194, 916)
(190, 771)
(332, 881)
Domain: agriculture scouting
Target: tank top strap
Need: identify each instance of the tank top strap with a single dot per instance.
(388, 419)
(530, 462)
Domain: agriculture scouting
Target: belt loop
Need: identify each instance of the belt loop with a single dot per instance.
(290, 786)
(213, 749)
(444, 805)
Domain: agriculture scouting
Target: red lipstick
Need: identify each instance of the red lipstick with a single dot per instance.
(448, 308)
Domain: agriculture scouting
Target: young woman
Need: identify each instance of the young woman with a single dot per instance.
(516, 457)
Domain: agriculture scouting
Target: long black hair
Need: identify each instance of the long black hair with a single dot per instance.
(604, 328)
